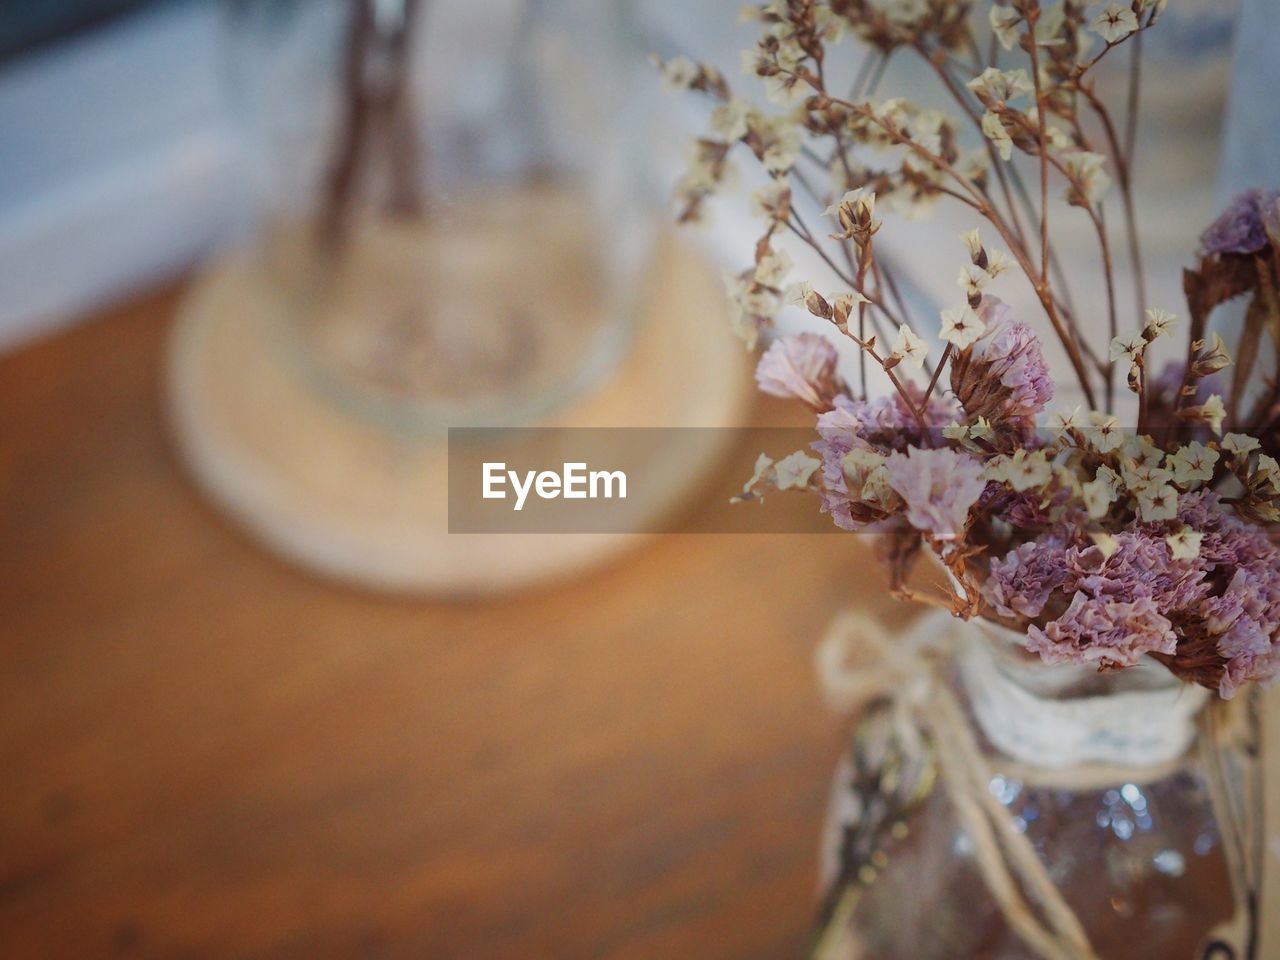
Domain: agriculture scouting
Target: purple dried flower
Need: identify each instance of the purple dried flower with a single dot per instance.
(1105, 632)
(803, 366)
(1021, 582)
(1240, 228)
(1004, 374)
(1140, 565)
(939, 487)
(1016, 358)
(1245, 620)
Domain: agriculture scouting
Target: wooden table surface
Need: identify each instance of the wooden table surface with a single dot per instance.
(208, 754)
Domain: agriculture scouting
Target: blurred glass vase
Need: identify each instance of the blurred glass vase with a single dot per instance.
(453, 234)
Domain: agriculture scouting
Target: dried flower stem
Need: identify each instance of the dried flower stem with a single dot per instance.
(933, 380)
(1123, 167)
(1032, 16)
(984, 207)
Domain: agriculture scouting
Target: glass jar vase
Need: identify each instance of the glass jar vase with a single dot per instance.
(994, 806)
(452, 231)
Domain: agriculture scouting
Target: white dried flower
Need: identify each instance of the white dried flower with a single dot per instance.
(772, 268)
(1066, 420)
(1239, 444)
(729, 120)
(973, 280)
(1158, 322)
(998, 262)
(1194, 462)
(678, 73)
(1129, 347)
(1098, 494)
(1023, 471)
(1213, 412)
(1185, 544)
(961, 326)
(1115, 22)
(795, 470)
(994, 86)
(773, 200)
(993, 129)
(1088, 174)
(1157, 502)
(1004, 24)
(1105, 433)
(910, 348)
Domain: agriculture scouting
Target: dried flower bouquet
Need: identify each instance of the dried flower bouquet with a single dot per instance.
(1141, 522)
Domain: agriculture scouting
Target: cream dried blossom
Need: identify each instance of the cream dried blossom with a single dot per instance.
(910, 348)
(794, 471)
(998, 262)
(731, 120)
(1004, 24)
(1139, 474)
(772, 268)
(994, 129)
(1022, 470)
(773, 200)
(1184, 544)
(1101, 492)
(777, 141)
(678, 73)
(994, 86)
(1115, 22)
(961, 326)
(867, 479)
(1066, 421)
(1158, 323)
(1105, 432)
(1192, 463)
(845, 304)
(1268, 472)
(1239, 445)
(973, 280)
(1211, 413)
(1143, 450)
(1157, 502)
(752, 306)
(1089, 179)
(1128, 347)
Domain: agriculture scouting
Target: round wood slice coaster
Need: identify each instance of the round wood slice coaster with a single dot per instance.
(346, 498)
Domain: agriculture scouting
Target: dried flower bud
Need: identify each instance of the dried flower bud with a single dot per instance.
(844, 306)
(855, 212)
(973, 243)
(1210, 361)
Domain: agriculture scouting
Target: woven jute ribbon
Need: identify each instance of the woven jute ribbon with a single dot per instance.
(1083, 744)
